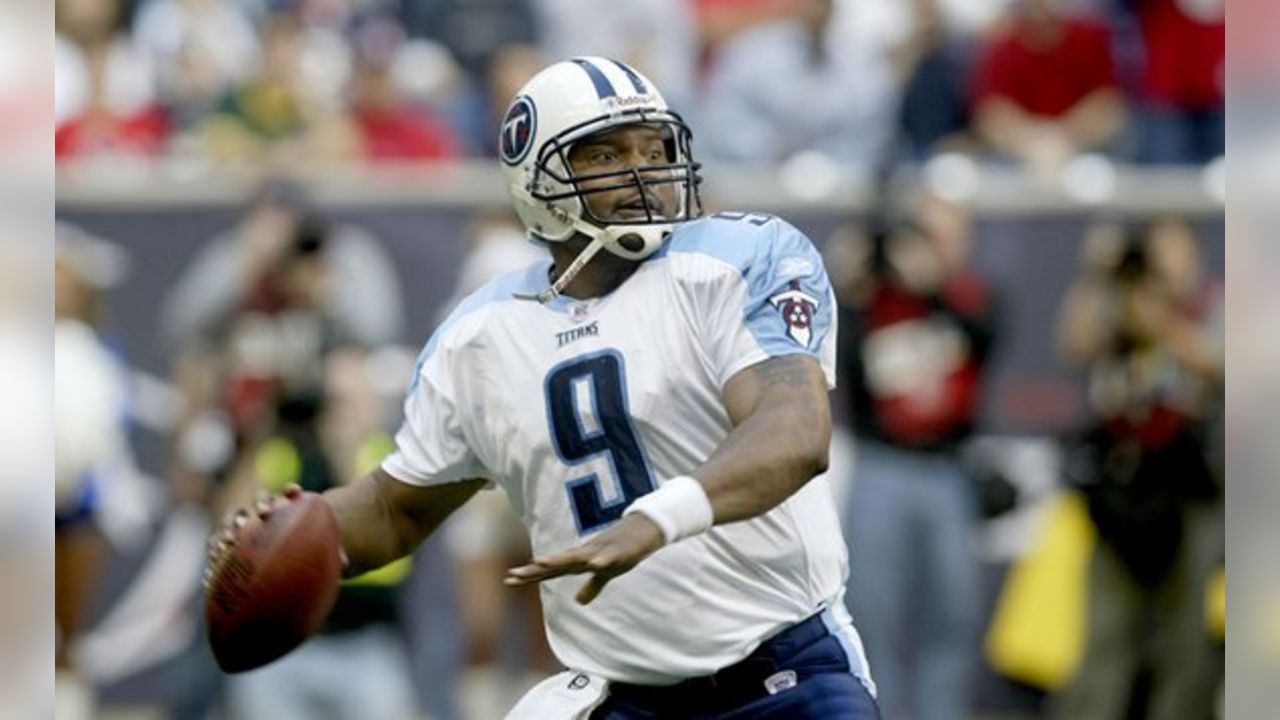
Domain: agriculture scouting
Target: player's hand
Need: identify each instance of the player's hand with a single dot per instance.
(228, 532)
(605, 556)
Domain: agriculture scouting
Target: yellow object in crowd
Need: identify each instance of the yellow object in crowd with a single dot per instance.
(277, 463)
(1037, 633)
(1038, 630)
(1215, 605)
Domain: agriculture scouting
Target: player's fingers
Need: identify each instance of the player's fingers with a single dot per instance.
(569, 561)
(265, 504)
(216, 540)
(213, 547)
(517, 577)
(231, 530)
(217, 548)
(610, 559)
(262, 506)
(544, 568)
(233, 520)
(592, 588)
(535, 573)
(293, 491)
(226, 534)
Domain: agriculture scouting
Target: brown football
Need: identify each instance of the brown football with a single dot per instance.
(275, 586)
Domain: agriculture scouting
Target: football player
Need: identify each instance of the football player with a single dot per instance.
(653, 400)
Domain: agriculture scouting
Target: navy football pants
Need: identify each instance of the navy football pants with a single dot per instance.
(824, 686)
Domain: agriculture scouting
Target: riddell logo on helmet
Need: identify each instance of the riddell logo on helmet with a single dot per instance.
(632, 100)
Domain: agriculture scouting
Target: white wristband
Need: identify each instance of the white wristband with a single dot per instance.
(679, 507)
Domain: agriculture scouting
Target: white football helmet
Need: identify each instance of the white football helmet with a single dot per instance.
(564, 104)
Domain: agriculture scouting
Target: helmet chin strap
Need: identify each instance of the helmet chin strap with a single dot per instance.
(601, 237)
(567, 275)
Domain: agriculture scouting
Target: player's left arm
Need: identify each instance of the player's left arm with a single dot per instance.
(780, 440)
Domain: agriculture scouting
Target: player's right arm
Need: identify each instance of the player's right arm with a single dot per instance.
(380, 518)
(383, 519)
(434, 469)
(386, 514)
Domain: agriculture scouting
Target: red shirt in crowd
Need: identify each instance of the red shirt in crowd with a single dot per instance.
(142, 134)
(1049, 80)
(1185, 56)
(913, 363)
(403, 133)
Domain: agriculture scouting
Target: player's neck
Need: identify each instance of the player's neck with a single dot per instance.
(599, 277)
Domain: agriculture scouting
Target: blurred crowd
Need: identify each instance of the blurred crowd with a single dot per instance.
(870, 82)
(287, 345)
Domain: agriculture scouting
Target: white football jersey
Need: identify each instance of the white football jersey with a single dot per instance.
(577, 407)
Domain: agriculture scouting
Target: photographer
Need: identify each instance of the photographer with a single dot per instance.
(1148, 329)
(257, 305)
(916, 328)
(272, 324)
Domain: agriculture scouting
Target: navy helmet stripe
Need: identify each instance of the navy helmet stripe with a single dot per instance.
(604, 88)
(636, 80)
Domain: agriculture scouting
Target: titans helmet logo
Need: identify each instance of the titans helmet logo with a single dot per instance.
(797, 309)
(518, 127)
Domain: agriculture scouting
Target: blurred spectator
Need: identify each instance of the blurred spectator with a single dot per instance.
(390, 127)
(200, 49)
(1149, 329)
(1045, 87)
(509, 70)
(324, 62)
(486, 39)
(240, 291)
(91, 447)
(657, 37)
(973, 18)
(1183, 113)
(916, 330)
(934, 111)
(496, 245)
(279, 113)
(799, 85)
(473, 31)
(718, 21)
(104, 89)
(233, 268)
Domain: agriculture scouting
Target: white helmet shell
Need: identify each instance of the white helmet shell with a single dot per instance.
(565, 103)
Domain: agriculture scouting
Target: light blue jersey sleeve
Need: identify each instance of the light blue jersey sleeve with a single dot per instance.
(776, 301)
